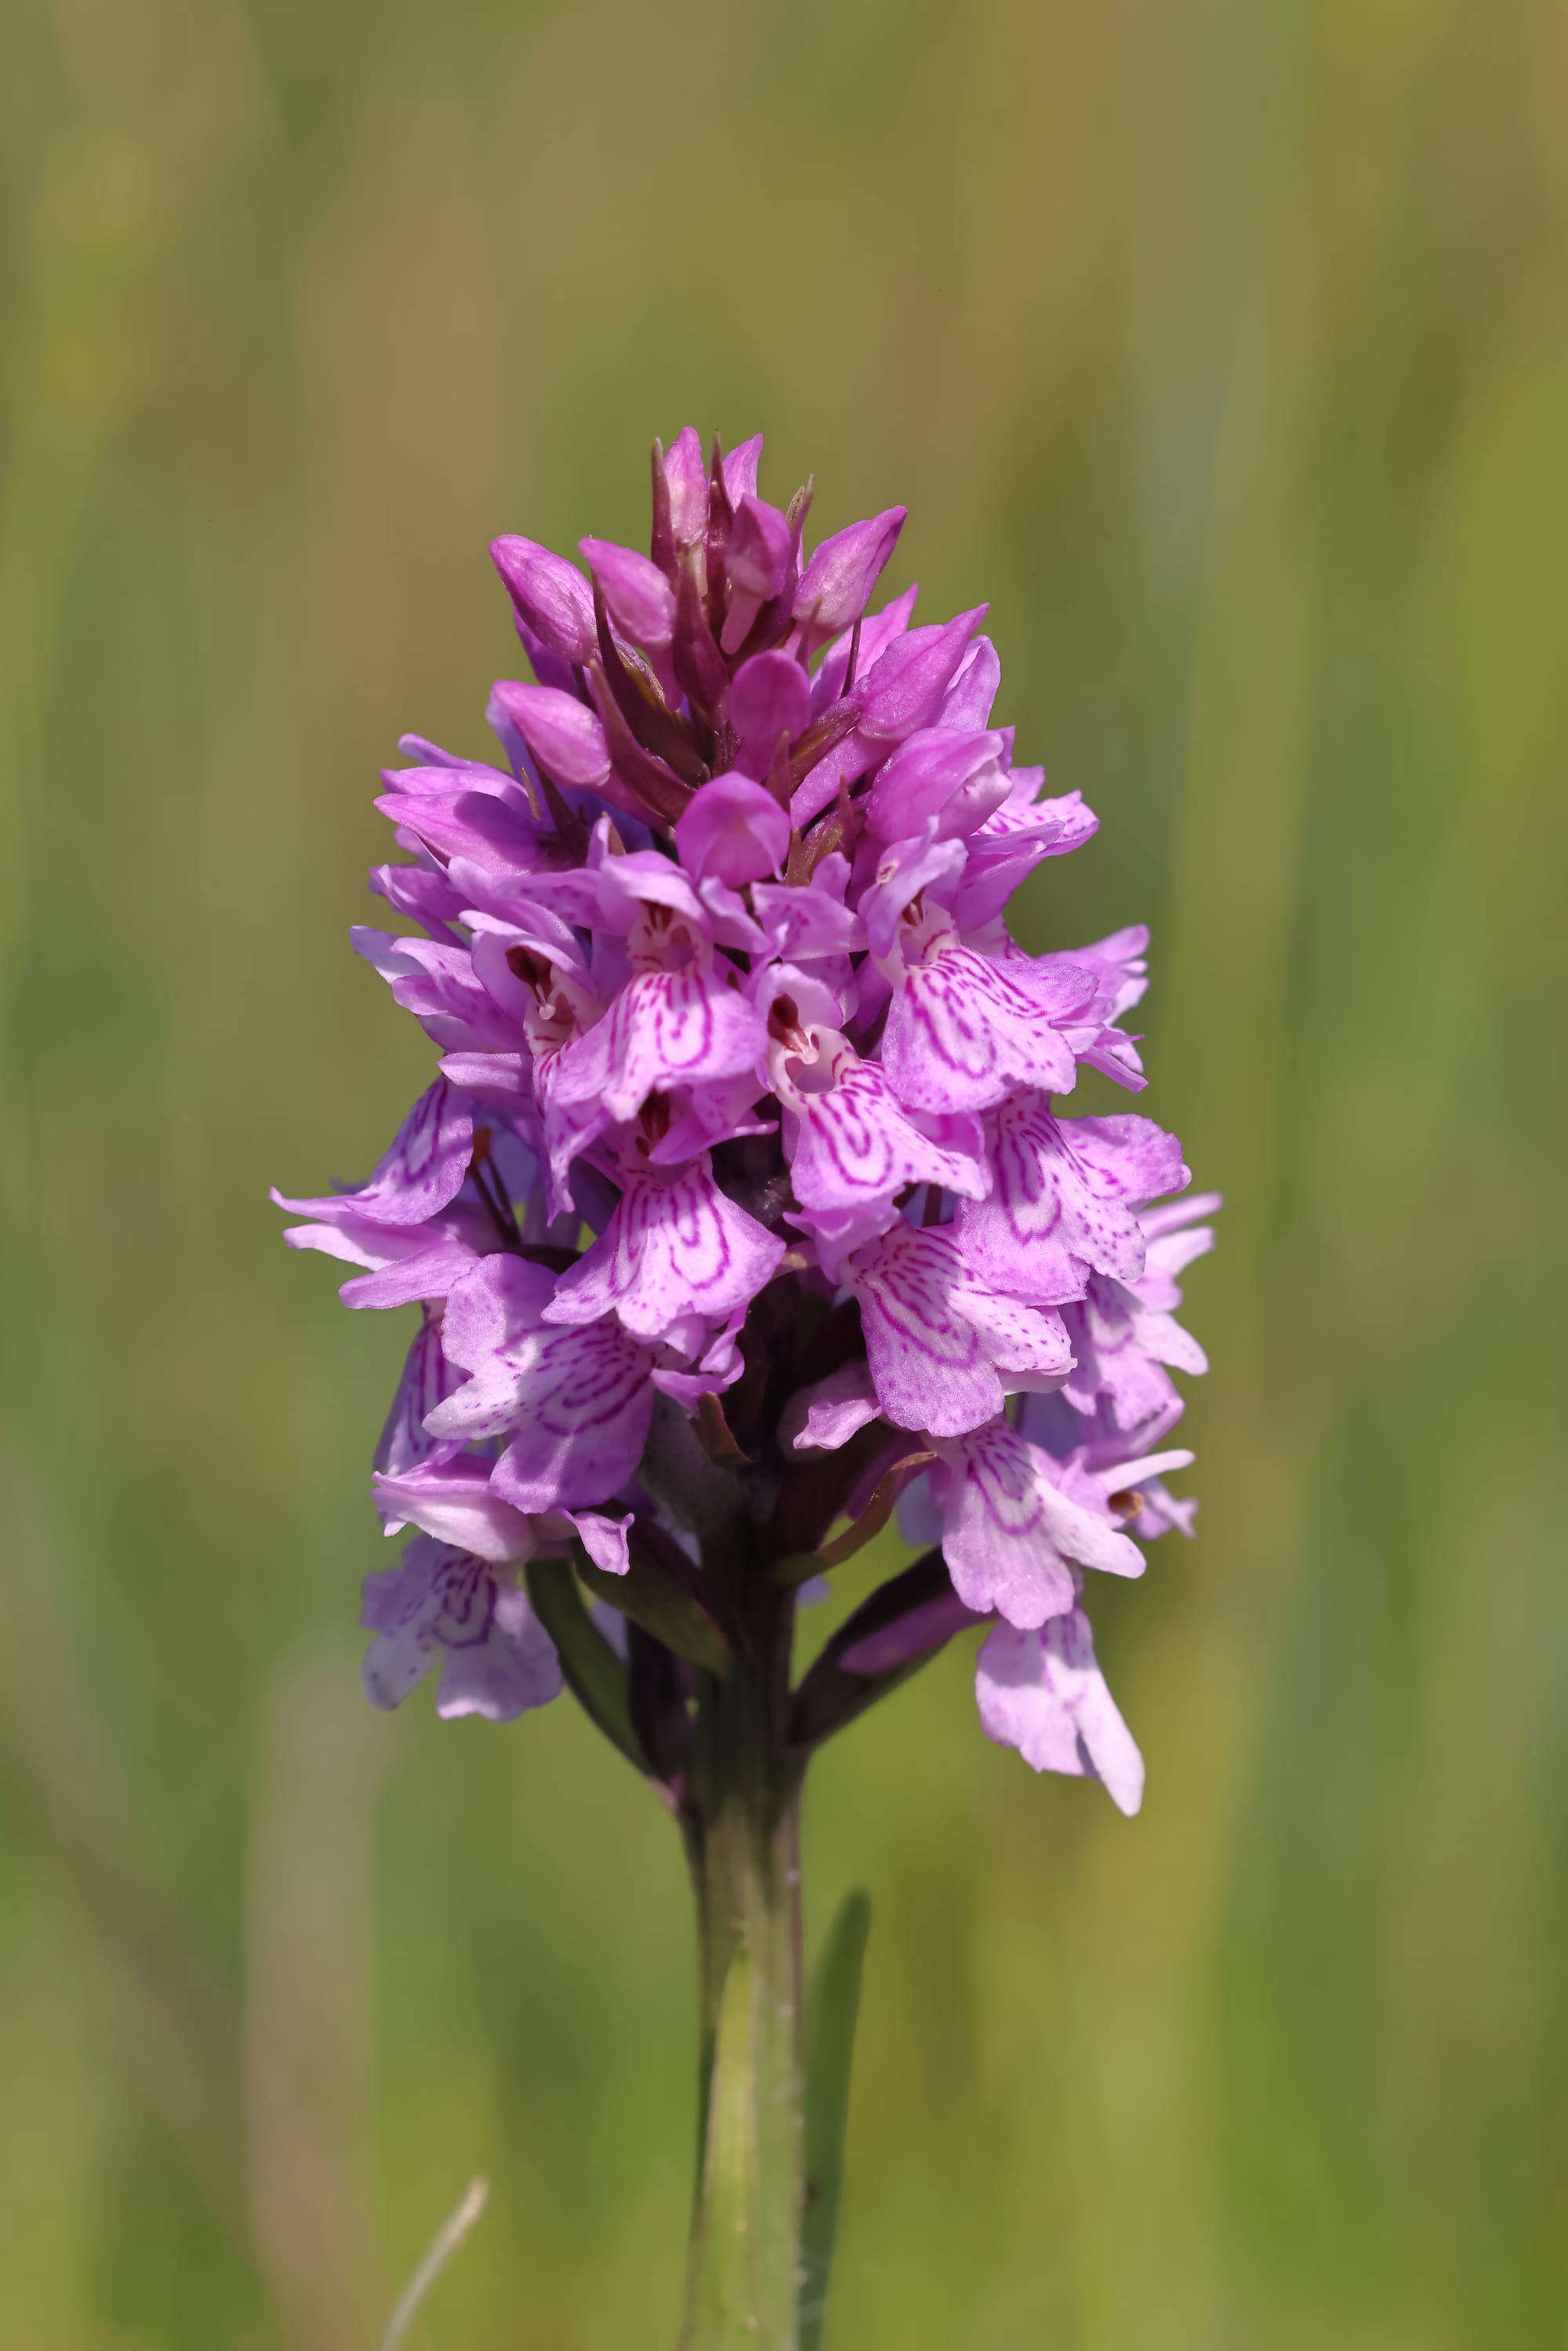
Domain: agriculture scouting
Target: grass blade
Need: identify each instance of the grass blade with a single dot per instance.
(834, 2006)
(442, 2245)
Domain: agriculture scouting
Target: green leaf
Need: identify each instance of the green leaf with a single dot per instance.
(834, 2005)
(675, 1618)
(594, 1674)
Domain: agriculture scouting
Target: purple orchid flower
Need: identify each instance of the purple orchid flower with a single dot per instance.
(1043, 1692)
(496, 1657)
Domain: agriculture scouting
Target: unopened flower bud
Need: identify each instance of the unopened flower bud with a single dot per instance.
(562, 733)
(549, 593)
(733, 831)
(687, 479)
(637, 596)
(739, 470)
(758, 566)
(904, 690)
(769, 695)
(837, 583)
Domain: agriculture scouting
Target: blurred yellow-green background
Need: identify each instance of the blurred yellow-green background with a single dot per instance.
(1222, 343)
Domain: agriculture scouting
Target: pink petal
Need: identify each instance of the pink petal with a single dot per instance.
(675, 1246)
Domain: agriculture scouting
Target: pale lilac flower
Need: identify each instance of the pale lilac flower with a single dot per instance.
(675, 1248)
(1009, 1532)
(496, 1657)
(449, 1494)
(428, 1379)
(964, 1029)
(421, 1173)
(1043, 1693)
(943, 1352)
(573, 1403)
(1065, 1197)
(1125, 1334)
(681, 1027)
(849, 1139)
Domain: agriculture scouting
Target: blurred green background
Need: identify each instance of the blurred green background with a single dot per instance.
(1224, 344)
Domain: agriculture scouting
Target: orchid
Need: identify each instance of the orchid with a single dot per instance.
(744, 1206)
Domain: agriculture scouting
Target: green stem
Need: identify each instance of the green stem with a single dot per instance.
(742, 1841)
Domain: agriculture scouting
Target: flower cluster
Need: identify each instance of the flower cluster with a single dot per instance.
(747, 1144)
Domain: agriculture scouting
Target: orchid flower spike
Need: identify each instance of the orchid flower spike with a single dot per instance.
(745, 1205)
